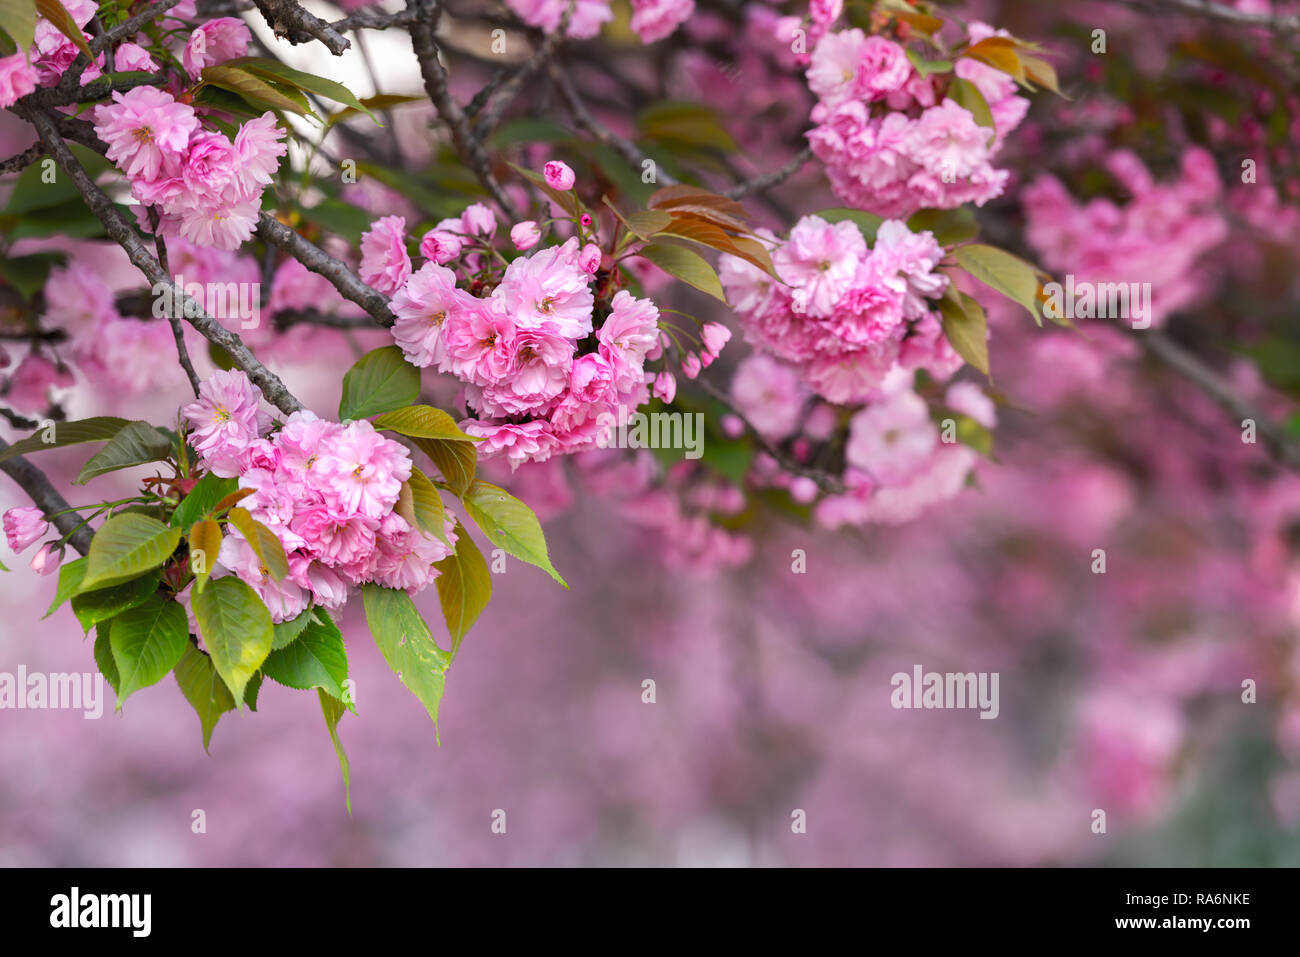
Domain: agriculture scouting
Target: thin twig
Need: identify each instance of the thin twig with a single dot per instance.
(768, 180)
(584, 118)
(1276, 439)
(178, 333)
(831, 484)
(425, 43)
(121, 232)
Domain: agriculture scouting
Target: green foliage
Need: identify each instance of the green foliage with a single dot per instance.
(380, 381)
(125, 546)
(203, 689)
(407, 644)
(236, 629)
(58, 434)
(510, 524)
(147, 642)
(136, 443)
(202, 499)
(102, 604)
(691, 268)
(464, 587)
(316, 659)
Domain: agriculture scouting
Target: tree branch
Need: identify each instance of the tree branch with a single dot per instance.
(425, 45)
(47, 498)
(291, 22)
(125, 236)
(343, 279)
(768, 180)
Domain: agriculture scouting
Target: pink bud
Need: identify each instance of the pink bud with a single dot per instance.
(733, 426)
(24, 525)
(691, 366)
(665, 386)
(715, 336)
(589, 259)
(440, 246)
(559, 175)
(478, 220)
(525, 235)
(46, 560)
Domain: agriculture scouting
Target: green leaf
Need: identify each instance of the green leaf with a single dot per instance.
(147, 641)
(464, 587)
(135, 444)
(202, 499)
(691, 268)
(339, 217)
(254, 89)
(28, 274)
(62, 21)
(70, 576)
(275, 70)
(92, 607)
(333, 709)
(678, 123)
(510, 524)
(125, 546)
(926, 67)
(104, 654)
(18, 19)
(381, 381)
(456, 460)
(968, 96)
(965, 326)
(251, 691)
(998, 269)
(236, 629)
(58, 434)
(949, 226)
(205, 545)
(407, 644)
(286, 632)
(421, 506)
(868, 223)
(263, 541)
(317, 659)
(424, 422)
(203, 689)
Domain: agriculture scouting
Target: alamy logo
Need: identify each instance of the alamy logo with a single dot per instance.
(951, 690)
(133, 911)
(59, 691)
(652, 430)
(1099, 300)
(220, 300)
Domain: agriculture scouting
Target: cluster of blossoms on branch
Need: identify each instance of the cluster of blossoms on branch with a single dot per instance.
(651, 19)
(891, 141)
(845, 315)
(326, 490)
(551, 353)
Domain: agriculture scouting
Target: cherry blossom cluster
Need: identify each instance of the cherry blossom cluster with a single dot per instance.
(651, 19)
(845, 315)
(890, 142)
(548, 363)
(326, 490)
(1155, 238)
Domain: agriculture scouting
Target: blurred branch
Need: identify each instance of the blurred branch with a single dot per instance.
(831, 484)
(769, 180)
(1277, 22)
(424, 42)
(47, 498)
(1280, 444)
(607, 137)
(491, 116)
(125, 236)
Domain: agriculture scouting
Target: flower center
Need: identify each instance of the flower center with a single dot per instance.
(547, 305)
(438, 318)
(144, 134)
(222, 414)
